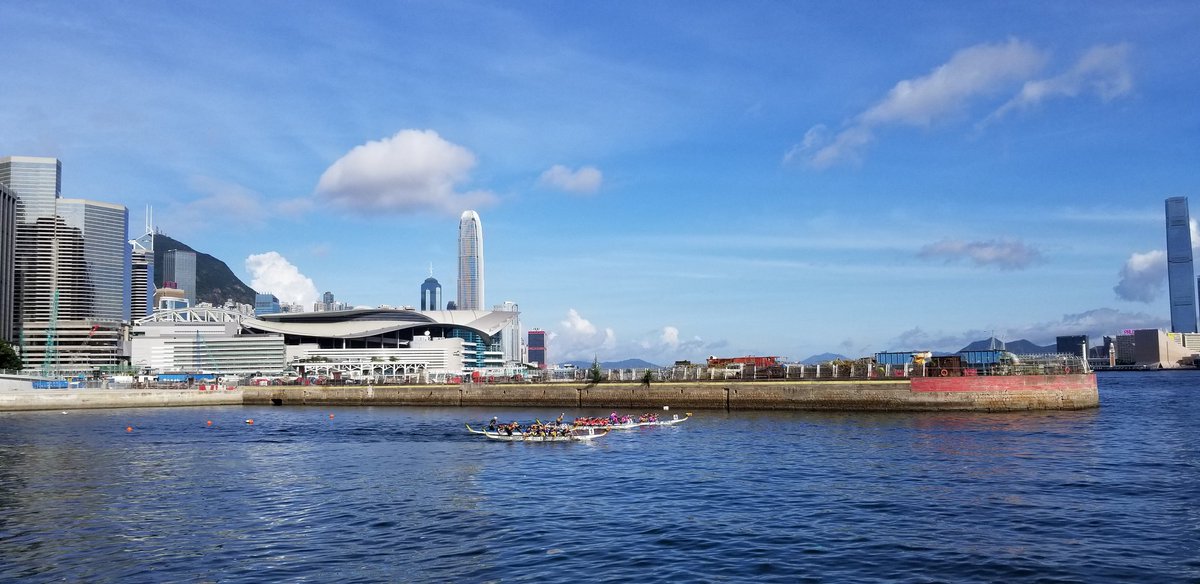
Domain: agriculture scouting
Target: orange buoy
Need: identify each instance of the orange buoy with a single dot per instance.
(250, 421)
(208, 423)
(330, 416)
(128, 428)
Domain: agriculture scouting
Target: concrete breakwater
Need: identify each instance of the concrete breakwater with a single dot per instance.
(977, 394)
(1000, 393)
(79, 399)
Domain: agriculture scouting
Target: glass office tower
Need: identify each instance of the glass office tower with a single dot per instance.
(431, 294)
(179, 266)
(8, 258)
(470, 262)
(1181, 277)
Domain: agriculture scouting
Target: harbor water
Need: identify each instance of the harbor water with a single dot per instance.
(379, 494)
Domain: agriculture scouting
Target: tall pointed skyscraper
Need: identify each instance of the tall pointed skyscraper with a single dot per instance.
(1181, 276)
(470, 262)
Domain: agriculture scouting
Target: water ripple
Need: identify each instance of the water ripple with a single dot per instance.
(403, 494)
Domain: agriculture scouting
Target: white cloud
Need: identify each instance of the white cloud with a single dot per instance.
(221, 204)
(271, 273)
(1006, 254)
(1103, 70)
(972, 72)
(670, 336)
(1143, 276)
(579, 339)
(586, 180)
(412, 171)
(1095, 323)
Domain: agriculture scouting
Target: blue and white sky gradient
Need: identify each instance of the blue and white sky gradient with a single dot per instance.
(664, 180)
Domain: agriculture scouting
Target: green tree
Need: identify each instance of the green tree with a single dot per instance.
(594, 374)
(647, 378)
(8, 357)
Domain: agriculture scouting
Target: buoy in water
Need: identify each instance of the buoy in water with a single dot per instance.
(250, 421)
(665, 408)
(208, 423)
(330, 416)
(128, 428)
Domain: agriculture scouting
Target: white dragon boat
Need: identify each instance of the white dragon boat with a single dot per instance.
(574, 435)
(633, 423)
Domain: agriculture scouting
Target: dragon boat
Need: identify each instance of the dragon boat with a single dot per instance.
(570, 435)
(629, 422)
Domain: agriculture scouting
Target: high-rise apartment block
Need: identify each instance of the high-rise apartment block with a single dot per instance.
(470, 262)
(537, 348)
(179, 266)
(1181, 276)
(8, 258)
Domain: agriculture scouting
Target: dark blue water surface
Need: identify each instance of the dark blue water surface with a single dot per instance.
(405, 494)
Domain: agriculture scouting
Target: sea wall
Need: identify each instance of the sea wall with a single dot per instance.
(951, 394)
(1025, 392)
(76, 399)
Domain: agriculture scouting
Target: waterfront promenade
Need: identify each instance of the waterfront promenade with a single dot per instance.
(999, 393)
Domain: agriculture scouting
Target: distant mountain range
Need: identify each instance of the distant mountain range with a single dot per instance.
(626, 364)
(823, 358)
(215, 282)
(1020, 347)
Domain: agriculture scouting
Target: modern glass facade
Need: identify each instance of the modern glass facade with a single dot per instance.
(431, 294)
(537, 348)
(141, 285)
(179, 266)
(37, 182)
(266, 304)
(8, 258)
(105, 262)
(1181, 277)
(470, 262)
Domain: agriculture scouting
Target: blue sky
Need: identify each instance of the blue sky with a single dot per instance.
(662, 180)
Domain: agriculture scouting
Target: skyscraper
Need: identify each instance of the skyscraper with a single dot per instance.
(141, 279)
(537, 347)
(1181, 276)
(431, 294)
(72, 269)
(8, 258)
(36, 183)
(179, 266)
(470, 262)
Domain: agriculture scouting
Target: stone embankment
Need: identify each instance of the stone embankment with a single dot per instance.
(978, 394)
(79, 399)
(1024, 392)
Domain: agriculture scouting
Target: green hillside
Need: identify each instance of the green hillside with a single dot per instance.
(215, 282)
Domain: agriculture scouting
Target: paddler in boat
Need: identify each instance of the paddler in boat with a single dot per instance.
(494, 425)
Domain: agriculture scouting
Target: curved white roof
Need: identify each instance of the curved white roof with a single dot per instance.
(350, 324)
